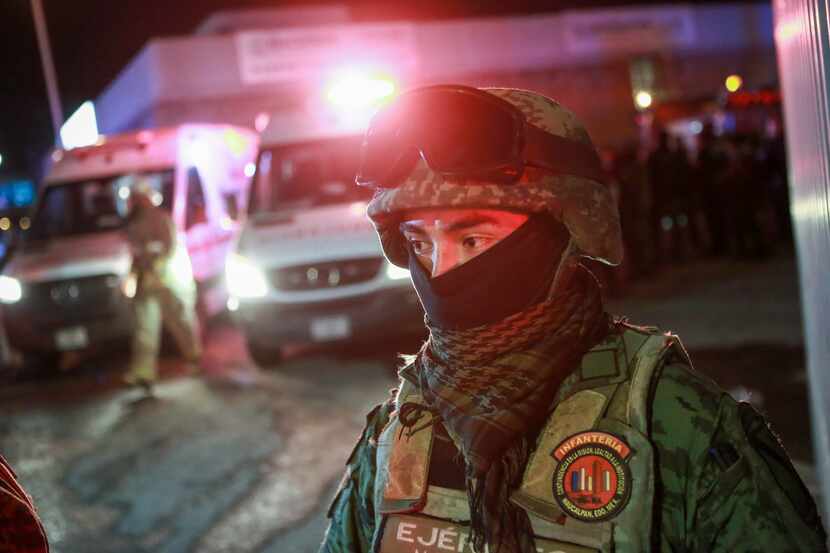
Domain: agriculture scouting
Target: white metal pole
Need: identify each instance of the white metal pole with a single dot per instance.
(48, 69)
(802, 40)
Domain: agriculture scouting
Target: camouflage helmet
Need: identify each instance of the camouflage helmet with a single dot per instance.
(586, 207)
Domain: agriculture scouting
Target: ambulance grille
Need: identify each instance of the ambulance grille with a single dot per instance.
(87, 294)
(318, 276)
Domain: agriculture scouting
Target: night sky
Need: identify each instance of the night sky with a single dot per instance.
(93, 39)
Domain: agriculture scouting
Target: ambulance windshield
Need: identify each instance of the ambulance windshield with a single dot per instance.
(95, 205)
(307, 175)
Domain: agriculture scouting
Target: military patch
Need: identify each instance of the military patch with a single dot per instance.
(592, 482)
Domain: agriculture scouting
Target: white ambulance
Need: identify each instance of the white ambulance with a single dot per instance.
(308, 267)
(66, 284)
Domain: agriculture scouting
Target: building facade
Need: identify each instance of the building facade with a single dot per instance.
(593, 61)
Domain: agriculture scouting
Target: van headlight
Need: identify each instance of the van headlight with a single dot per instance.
(396, 273)
(129, 285)
(244, 278)
(10, 289)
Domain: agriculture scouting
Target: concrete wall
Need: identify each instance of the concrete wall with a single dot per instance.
(803, 42)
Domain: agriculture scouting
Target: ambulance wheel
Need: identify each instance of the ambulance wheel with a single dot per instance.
(264, 356)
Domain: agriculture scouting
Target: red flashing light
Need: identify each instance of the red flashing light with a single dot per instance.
(754, 98)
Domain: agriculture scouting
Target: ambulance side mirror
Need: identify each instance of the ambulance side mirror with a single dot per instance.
(196, 211)
(232, 205)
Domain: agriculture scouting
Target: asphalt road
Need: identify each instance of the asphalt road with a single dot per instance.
(237, 459)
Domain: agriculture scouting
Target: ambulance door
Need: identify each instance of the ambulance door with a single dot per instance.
(208, 239)
(197, 225)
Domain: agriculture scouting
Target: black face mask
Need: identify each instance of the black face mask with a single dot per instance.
(509, 277)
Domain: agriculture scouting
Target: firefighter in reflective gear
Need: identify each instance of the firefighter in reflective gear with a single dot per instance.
(165, 291)
(531, 420)
(20, 528)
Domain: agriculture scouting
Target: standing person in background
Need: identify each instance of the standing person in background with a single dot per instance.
(712, 164)
(633, 206)
(749, 199)
(775, 159)
(165, 289)
(662, 178)
(531, 420)
(684, 235)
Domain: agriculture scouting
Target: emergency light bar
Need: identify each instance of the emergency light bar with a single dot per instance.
(105, 149)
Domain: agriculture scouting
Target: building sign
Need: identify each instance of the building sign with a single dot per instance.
(628, 31)
(291, 55)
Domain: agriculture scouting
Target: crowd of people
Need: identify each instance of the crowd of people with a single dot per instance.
(727, 198)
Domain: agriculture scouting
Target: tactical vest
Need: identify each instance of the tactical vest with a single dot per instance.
(588, 486)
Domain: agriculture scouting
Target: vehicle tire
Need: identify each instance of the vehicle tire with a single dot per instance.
(265, 357)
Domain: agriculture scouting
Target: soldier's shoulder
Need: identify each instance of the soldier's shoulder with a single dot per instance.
(685, 404)
(380, 413)
(626, 325)
(678, 378)
(378, 417)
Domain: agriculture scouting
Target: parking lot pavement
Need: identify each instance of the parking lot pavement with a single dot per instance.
(721, 304)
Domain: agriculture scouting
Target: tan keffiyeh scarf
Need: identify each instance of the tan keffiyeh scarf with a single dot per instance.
(492, 387)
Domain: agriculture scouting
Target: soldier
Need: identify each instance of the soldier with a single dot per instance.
(531, 420)
(165, 290)
(20, 528)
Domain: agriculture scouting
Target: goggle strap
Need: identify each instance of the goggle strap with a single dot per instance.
(561, 155)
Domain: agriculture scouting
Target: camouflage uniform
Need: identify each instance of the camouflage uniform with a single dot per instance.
(718, 479)
(713, 493)
(164, 295)
(20, 527)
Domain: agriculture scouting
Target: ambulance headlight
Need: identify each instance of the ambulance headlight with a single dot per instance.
(182, 268)
(244, 278)
(396, 273)
(10, 290)
(129, 286)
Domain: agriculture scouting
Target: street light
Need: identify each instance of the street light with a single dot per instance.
(733, 83)
(1, 159)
